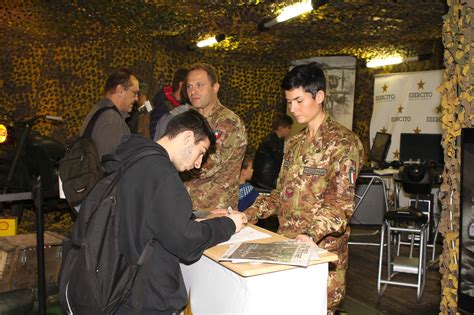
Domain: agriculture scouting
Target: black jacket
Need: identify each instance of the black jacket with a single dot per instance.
(155, 204)
(267, 162)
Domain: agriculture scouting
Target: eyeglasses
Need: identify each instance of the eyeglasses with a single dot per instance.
(135, 93)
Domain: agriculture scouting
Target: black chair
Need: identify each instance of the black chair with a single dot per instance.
(416, 179)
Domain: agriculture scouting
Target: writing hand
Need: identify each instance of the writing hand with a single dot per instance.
(240, 219)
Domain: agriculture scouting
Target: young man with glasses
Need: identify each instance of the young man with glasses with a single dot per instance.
(121, 91)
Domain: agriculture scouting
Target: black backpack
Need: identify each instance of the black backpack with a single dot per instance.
(95, 278)
(80, 168)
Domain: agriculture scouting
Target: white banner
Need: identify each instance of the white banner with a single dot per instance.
(406, 103)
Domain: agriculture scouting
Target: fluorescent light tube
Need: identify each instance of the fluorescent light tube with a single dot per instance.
(294, 10)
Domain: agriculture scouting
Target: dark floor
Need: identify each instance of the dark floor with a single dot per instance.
(362, 285)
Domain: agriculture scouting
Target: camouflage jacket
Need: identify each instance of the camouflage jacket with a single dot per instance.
(315, 189)
(216, 185)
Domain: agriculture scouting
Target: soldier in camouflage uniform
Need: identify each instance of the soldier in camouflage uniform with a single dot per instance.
(217, 183)
(314, 198)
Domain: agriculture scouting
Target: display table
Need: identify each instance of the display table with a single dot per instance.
(226, 288)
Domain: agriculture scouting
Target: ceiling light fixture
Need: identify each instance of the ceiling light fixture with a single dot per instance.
(210, 41)
(292, 11)
(374, 63)
(394, 60)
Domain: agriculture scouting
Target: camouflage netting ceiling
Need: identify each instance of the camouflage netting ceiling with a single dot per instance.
(344, 27)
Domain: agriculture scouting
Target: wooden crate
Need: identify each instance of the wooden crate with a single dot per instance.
(18, 265)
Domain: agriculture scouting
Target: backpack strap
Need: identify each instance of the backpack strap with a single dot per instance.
(90, 125)
(125, 166)
(111, 162)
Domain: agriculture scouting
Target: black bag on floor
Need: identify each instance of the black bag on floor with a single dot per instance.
(80, 168)
(95, 278)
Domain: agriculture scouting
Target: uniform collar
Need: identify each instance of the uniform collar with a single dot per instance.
(322, 128)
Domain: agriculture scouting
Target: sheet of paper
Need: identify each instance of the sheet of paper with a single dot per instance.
(246, 234)
(285, 253)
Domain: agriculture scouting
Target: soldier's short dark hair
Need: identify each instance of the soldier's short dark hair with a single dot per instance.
(121, 77)
(310, 77)
(179, 76)
(193, 121)
(282, 120)
(211, 71)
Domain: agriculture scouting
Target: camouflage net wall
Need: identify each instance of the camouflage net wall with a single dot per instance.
(64, 80)
(458, 105)
(67, 80)
(48, 68)
(57, 63)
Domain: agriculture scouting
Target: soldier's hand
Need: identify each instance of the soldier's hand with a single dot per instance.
(305, 238)
(240, 219)
(222, 212)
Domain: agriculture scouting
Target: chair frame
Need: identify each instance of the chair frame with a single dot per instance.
(398, 263)
(373, 178)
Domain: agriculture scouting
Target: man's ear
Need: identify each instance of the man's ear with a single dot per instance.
(188, 137)
(320, 95)
(119, 90)
(216, 87)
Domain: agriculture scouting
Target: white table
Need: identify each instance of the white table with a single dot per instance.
(272, 289)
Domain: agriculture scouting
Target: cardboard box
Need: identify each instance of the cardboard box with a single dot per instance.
(8, 226)
(18, 265)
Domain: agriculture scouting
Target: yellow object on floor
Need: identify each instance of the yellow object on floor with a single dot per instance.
(8, 226)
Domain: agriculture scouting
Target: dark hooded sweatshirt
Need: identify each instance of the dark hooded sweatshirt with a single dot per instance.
(156, 204)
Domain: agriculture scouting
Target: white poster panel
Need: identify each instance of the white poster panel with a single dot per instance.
(406, 103)
(340, 74)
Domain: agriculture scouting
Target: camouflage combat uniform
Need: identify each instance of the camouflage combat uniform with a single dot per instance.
(217, 183)
(315, 194)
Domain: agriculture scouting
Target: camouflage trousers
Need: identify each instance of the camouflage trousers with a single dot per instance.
(336, 289)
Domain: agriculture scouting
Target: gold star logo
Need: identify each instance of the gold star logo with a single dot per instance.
(384, 130)
(384, 88)
(417, 130)
(438, 109)
(421, 85)
(400, 109)
(396, 155)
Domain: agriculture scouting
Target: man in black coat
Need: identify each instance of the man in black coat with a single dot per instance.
(156, 204)
(168, 98)
(269, 155)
